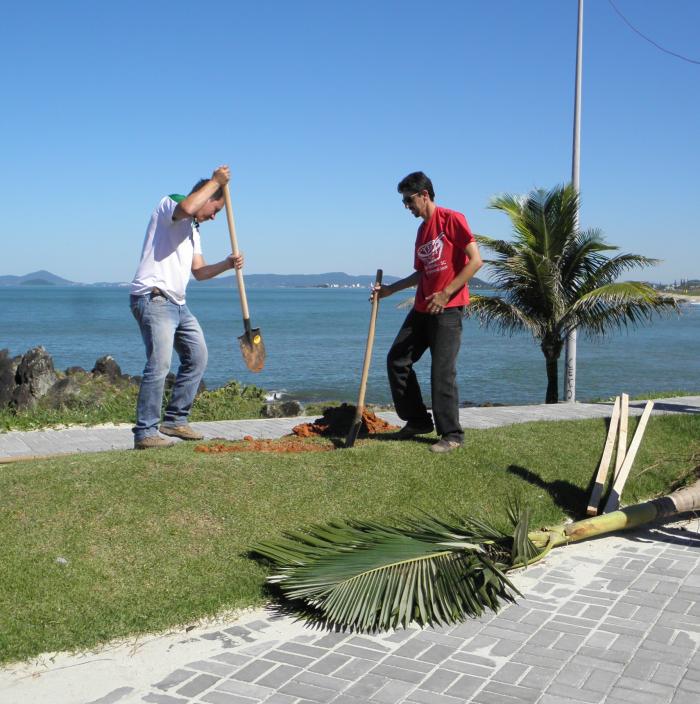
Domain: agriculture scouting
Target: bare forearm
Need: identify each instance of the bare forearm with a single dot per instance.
(463, 277)
(209, 271)
(406, 282)
(195, 201)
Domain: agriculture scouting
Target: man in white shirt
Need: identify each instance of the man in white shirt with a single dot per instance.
(171, 251)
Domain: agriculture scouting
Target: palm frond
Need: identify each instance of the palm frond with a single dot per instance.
(500, 246)
(367, 576)
(617, 305)
(523, 550)
(607, 271)
(507, 317)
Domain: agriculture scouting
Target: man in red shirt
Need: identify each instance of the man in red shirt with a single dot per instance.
(446, 257)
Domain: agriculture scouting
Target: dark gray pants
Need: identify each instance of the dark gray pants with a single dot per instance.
(442, 334)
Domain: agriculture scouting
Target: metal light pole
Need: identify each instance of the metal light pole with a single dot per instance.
(570, 363)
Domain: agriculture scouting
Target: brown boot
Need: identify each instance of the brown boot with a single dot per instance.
(184, 432)
(152, 441)
(445, 445)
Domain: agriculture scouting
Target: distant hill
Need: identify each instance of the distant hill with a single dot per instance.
(332, 279)
(36, 278)
(37, 282)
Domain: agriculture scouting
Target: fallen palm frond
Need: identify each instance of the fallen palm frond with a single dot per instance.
(365, 576)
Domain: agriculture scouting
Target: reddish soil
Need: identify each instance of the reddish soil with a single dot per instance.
(337, 421)
(249, 444)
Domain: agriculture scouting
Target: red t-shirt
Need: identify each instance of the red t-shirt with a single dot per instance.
(440, 256)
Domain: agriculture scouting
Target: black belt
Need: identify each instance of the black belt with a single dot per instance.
(155, 291)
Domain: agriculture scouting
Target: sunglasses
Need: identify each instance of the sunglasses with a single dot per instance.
(407, 199)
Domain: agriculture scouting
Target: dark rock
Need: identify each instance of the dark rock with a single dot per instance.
(107, 366)
(292, 408)
(22, 398)
(75, 370)
(285, 409)
(7, 377)
(63, 393)
(35, 375)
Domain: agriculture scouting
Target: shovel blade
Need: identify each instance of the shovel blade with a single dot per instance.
(354, 432)
(253, 349)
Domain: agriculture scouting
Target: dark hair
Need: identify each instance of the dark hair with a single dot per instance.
(218, 195)
(415, 183)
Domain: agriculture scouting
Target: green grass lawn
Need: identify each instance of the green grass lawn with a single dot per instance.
(156, 539)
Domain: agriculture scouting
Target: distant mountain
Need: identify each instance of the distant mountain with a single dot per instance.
(36, 278)
(332, 279)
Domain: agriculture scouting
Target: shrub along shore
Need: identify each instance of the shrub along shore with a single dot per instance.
(33, 394)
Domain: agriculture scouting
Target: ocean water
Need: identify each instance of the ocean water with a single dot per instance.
(315, 341)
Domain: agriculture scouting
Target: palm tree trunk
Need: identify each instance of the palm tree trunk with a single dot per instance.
(681, 501)
(551, 348)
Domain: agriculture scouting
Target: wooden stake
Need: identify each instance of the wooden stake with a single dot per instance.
(602, 475)
(616, 491)
(622, 439)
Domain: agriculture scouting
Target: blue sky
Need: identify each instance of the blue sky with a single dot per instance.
(321, 107)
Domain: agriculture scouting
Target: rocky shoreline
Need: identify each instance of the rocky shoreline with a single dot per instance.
(28, 378)
(31, 379)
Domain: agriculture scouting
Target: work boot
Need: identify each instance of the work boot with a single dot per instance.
(184, 431)
(410, 430)
(445, 445)
(150, 442)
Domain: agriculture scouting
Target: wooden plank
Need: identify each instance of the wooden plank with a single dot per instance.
(622, 439)
(616, 492)
(602, 474)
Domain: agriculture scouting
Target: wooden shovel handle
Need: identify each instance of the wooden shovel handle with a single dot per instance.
(234, 249)
(370, 344)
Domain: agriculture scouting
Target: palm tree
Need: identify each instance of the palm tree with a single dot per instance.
(554, 278)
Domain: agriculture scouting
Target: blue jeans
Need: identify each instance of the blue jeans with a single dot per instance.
(165, 325)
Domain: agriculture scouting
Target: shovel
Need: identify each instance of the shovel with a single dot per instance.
(357, 422)
(251, 342)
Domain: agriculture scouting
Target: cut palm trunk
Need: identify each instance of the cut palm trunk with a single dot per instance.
(602, 474)
(366, 576)
(621, 477)
(357, 422)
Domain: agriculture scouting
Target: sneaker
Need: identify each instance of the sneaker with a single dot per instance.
(445, 445)
(150, 442)
(410, 430)
(184, 432)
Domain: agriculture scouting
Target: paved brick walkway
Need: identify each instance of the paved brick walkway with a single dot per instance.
(17, 444)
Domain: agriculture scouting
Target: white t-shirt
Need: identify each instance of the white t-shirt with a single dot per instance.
(166, 257)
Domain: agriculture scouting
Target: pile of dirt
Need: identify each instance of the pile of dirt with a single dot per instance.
(250, 444)
(337, 421)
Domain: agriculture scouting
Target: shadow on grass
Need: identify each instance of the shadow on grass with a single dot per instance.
(569, 497)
